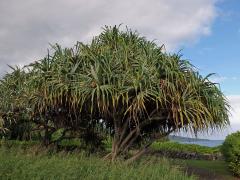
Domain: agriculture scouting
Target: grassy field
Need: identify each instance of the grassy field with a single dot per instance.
(29, 160)
(211, 169)
(204, 169)
(18, 164)
(214, 166)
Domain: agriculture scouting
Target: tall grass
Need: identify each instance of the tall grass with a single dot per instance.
(14, 164)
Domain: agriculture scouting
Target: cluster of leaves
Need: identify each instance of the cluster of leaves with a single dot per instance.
(231, 151)
(120, 84)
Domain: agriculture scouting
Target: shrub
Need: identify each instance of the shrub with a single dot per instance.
(235, 167)
(231, 152)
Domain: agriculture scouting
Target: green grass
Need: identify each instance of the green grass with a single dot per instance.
(17, 143)
(16, 163)
(177, 147)
(217, 166)
(28, 160)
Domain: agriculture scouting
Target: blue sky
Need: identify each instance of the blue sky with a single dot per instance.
(219, 52)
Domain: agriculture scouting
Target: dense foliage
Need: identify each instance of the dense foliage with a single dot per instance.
(120, 85)
(231, 152)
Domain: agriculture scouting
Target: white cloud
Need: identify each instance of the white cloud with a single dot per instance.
(26, 27)
(234, 101)
(220, 79)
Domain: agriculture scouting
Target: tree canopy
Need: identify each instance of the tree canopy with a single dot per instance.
(120, 83)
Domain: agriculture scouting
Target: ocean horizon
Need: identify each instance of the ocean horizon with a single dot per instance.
(202, 142)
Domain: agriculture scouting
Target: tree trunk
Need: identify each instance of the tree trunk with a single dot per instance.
(124, 138)
(122, 143)
(47, 137)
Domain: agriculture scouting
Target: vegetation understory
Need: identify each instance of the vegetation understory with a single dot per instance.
(29, 160)
(36, 163)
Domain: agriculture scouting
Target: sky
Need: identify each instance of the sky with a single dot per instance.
(206, 32)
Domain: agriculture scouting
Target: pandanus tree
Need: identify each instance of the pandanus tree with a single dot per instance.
(126, 84)
(142, 92)
(13, 104)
